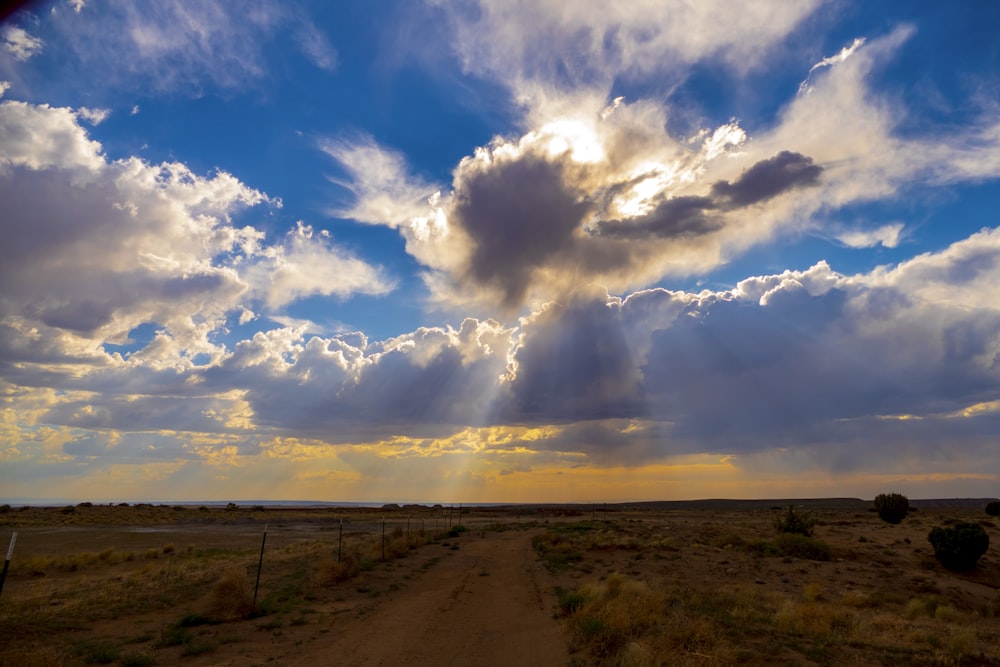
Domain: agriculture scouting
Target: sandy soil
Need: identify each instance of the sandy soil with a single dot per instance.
(489, 605)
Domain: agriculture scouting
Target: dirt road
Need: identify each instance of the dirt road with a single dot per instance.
(485, 604)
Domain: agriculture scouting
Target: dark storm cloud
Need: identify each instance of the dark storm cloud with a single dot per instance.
(767, 179)
(672, 218)
(809, 364)
(687, 216)
(120, 291)
(517, 214)
(575, 360)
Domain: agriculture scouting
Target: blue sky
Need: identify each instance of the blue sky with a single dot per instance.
(491, 251)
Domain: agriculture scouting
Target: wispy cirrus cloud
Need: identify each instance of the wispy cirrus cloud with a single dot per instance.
(182, 47)
(888, 236)
(829, 61)
(589, 44)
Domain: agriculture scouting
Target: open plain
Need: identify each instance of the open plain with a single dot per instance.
(709, 583)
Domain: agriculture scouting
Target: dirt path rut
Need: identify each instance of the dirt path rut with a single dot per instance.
(486, 604)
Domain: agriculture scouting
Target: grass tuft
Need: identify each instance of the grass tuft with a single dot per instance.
(232, 596)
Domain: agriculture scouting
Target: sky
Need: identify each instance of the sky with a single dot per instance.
(499, 250)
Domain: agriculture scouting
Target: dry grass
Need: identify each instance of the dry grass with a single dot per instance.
(116, 567)
(232, 595)
(624, 621)
(684, 588)
(651, 601)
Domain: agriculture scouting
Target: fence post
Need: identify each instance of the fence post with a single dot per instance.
(260, 564)
(6, 563)
(383, 538)
(340, 541)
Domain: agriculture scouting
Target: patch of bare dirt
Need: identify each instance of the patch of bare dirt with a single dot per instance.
(489, 604)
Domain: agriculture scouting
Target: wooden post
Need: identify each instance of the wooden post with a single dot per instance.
(260, 564)
(340, 542)
(383, 538)
(6, 563)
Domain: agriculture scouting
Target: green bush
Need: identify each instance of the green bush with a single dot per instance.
(569, 601)
(993, 508)
(795, 522)
(959, 547)
(892, 507)
(456, 530)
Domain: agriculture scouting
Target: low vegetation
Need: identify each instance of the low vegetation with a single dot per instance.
(785, 585)
(797, 523)
(892, 507)
(729, 592)
(54, 602)
(960, 545)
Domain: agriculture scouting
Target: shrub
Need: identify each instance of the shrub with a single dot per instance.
(892, 507)
(98, 652)
(993, 508)
(174, 636)
(959, 547)
(729, 540)
(795, 545)
(137, 659)
(193, 620)
(795, 522)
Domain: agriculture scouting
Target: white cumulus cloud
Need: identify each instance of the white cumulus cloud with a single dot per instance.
(95, 247)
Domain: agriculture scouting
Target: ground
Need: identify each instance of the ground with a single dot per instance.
(640, 585)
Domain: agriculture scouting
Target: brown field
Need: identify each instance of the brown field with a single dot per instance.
(709, 583)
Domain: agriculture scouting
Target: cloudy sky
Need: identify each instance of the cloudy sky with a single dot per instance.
(494, 250)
